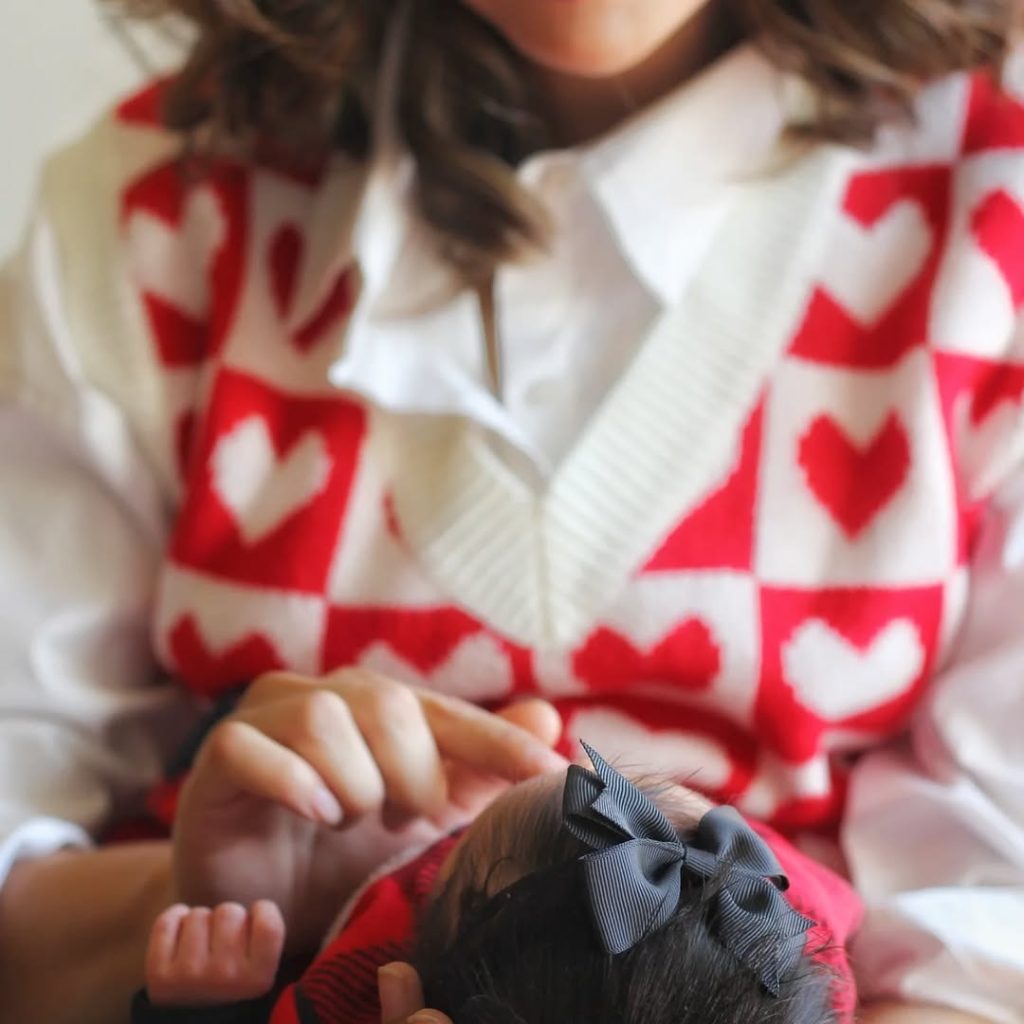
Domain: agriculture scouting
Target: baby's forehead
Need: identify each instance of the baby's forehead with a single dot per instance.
(521, 832)
(518, 807)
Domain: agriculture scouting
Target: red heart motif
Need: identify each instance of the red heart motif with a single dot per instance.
(145, 107)
(168, 212)
(853, 483)
(995, 118)
(181, 340)
(1000, 383)
(687, 657)
(831, 333)
(336, 306)
(209, 672)
(287, 251)
(425, 639)
(998, 227)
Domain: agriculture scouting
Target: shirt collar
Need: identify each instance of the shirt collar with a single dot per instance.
(655, 179)
(658, 180)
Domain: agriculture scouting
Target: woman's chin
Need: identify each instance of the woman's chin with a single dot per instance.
(580, 56)
(587, 38)
(591, 64)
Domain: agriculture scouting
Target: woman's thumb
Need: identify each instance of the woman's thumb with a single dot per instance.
(401, 997)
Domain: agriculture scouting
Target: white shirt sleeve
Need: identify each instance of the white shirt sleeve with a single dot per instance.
(85, 723)
(935, 826)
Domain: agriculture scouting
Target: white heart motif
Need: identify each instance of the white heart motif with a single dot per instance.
(867, 269)
(262, 490)
(173, 262)
(837, 680)
(681, 755)
(477, 669)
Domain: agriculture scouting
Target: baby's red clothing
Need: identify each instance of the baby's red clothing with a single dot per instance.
(340, 986)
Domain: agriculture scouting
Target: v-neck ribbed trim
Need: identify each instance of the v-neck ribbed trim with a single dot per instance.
(544, 566)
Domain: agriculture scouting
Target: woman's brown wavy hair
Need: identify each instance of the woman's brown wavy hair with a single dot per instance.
(302, 74)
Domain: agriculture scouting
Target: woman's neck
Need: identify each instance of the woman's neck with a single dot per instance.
(580, 109)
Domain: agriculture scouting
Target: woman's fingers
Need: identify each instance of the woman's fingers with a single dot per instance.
(515, 745)
(401, 993)
(472, 790)
(537, 717)
(242, 757)
(373, 742)
(318, 725)
(364, 734)
(392, 720)
(487, 742)
(401, 997)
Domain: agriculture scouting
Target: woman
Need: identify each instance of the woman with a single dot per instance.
(560, 350)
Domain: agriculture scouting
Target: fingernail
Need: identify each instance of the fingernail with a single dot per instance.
(392, 974)
(326, 806)
(398, 992)
(427, 1017)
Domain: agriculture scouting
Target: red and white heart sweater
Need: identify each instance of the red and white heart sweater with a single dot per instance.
(750, 569)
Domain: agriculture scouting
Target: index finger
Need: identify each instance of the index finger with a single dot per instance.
(485, 741)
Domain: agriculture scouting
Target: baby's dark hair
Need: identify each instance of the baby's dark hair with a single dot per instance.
(529, 954)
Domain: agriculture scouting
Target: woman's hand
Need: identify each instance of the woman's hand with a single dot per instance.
(310, 784)
(401, 997)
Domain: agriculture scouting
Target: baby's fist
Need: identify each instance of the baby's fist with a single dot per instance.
(201, 957)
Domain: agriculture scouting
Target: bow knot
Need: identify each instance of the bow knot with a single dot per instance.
(635, 874)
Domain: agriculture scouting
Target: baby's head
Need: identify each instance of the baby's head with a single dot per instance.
(519, 932)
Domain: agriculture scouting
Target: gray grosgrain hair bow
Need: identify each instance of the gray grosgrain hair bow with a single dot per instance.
(635, 875)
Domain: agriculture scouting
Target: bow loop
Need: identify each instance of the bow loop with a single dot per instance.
(604, 804)
(724, 834)
(635, 874)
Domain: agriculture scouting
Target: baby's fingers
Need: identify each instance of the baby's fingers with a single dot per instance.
(266, 940)
(228, 938)
(163, 944)
(193, 952)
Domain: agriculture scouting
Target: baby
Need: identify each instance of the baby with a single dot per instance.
(582, 896)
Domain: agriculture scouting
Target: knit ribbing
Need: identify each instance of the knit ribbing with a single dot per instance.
(542, 568)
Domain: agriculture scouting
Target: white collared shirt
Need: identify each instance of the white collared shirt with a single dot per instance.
(634, 214)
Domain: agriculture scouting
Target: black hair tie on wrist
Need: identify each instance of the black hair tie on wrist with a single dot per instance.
(635, 875)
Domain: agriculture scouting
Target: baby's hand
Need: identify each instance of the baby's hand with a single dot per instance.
(201, 957)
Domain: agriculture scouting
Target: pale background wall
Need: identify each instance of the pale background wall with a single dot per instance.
(60, 65)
